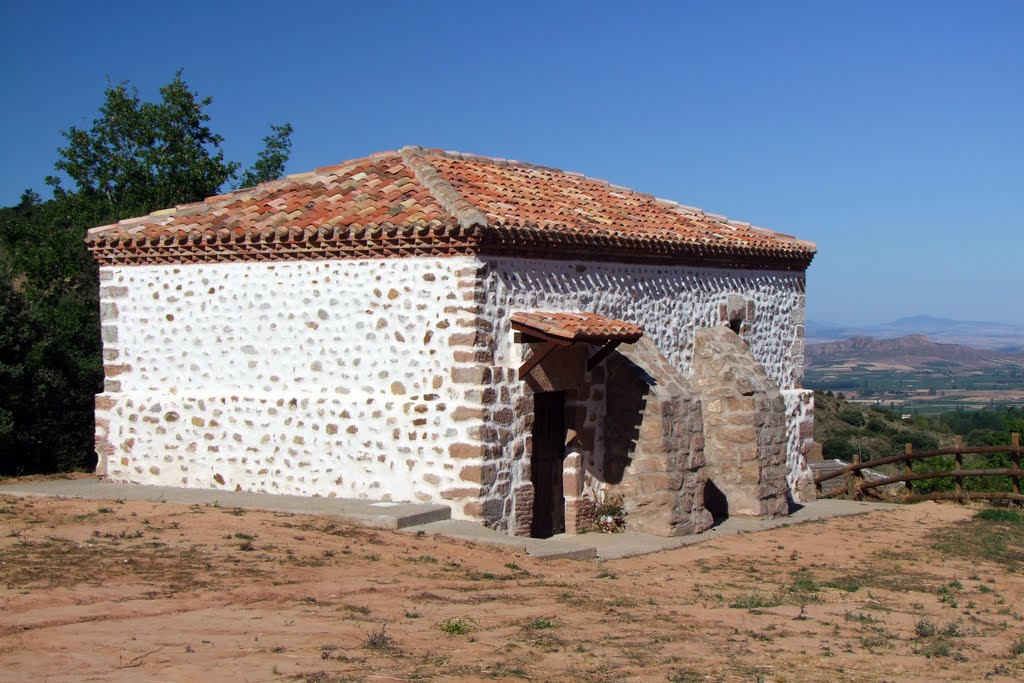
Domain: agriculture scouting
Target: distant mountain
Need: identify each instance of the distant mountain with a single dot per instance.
(911, 351)
(977, 334)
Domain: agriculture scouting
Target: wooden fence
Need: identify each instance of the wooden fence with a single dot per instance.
(856, 483)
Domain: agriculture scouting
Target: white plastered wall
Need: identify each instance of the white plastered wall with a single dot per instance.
(314, 377)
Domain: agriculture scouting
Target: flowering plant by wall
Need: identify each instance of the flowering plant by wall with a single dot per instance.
(610, 517)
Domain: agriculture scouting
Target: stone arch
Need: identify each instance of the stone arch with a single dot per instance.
(653, 444)
(744, 425)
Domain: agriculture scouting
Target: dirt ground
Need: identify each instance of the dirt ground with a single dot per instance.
(133, 591)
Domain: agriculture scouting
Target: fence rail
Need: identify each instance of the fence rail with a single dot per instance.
(856, 483)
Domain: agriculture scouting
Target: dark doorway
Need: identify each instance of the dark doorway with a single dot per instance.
(715, 502)
(546, 464)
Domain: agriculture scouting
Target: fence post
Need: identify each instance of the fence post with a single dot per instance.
(851, 479)
(959, 465)
(908, 467)
(1015, 458)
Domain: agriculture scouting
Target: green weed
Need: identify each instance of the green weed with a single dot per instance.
(756, 600)
(456, 626)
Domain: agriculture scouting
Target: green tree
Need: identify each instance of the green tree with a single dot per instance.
(49, 351)
(139, 156)
(277, 147)
(136, 157)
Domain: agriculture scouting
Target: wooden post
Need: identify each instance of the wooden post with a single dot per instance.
(908, 467)
(959, 457)
(1015, 459)
(851, 480)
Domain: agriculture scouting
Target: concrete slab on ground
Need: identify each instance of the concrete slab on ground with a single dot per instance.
(370, 513)
(613, 546)
(431, 519)
(561, 547)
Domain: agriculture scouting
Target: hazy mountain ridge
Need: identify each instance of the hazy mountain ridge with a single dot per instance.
(976, 334)
(910, 350)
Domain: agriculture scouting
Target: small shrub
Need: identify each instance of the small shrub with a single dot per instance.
(935, 650)
(455, 626)
(952, 629)
(1017, 649)
(803, 582)
(839, 448)
(851, 417)
(861, 618)
(924, 628)
(844, 584)
(379, 639)
(610, 515)
(542, 623)
(356, 609)
(755, 600)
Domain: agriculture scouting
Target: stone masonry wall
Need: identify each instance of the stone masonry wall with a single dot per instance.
(744, 425)
(671, 302)
(654, 444)
(346, 378)
(392, 379)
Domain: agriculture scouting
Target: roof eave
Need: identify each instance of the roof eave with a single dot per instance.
(545, 244)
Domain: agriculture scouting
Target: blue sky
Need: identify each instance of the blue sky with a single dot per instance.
(890, 133)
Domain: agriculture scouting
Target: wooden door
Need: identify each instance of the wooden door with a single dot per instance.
(546, 464)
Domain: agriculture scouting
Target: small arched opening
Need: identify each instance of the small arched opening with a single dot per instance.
(715, 502)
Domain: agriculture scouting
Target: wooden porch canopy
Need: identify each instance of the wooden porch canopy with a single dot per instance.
(563, 329)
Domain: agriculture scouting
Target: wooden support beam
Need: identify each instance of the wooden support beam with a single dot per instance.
(537, 357)
(853, 478)
(1015, 459)
(959, 458)
(908, 466)
(601, 354)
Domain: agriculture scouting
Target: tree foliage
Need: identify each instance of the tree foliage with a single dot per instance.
(277, 147)
(880, 432)
(136, 157)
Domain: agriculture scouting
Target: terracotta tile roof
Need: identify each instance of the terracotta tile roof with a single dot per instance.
(417, 201)
(582, 327)
(524, 196)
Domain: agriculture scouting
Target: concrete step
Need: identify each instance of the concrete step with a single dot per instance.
(554, 548)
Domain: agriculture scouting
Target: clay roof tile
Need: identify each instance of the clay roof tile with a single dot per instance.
(515, 200)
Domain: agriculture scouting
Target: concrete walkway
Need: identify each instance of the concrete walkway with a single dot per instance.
(430, 519)
(371, 513)
(612, 546)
